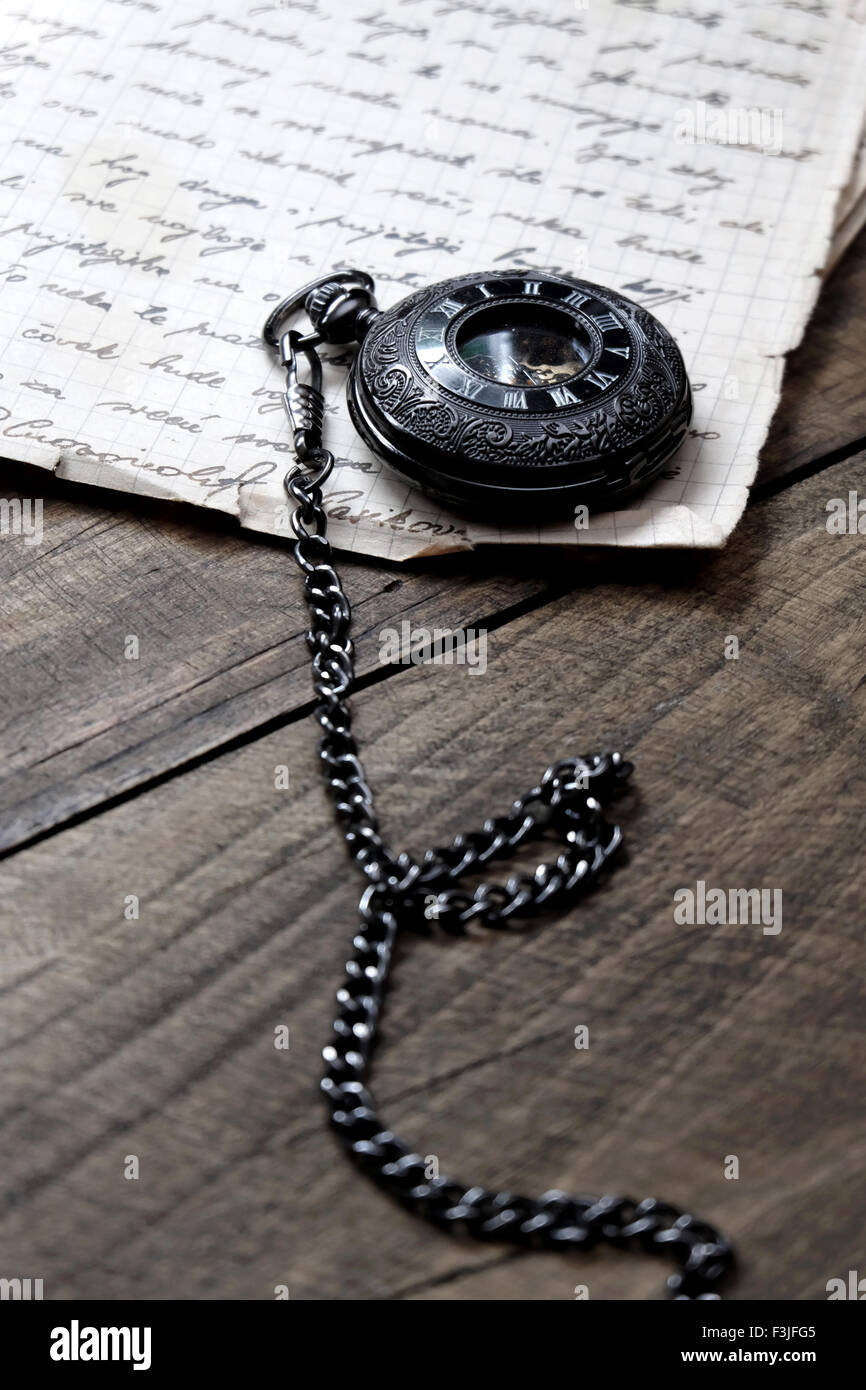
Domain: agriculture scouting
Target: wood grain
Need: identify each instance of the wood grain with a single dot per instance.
(219, 618)
(155, 1037)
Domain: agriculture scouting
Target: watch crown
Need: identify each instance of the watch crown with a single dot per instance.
(321, 297)
(341, 312)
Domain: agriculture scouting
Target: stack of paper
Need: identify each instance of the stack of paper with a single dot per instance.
(172, 170)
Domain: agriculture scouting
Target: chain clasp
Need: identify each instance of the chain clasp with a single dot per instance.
(339, 306)
(304, 402)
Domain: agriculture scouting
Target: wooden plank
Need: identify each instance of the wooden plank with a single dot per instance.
(154, 1037)
(219, 618)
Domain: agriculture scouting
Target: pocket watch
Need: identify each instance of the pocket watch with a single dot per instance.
(509, 391)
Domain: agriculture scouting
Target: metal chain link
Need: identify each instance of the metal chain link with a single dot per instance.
(423, 894)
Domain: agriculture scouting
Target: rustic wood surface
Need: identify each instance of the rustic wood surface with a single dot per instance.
(154, 1037)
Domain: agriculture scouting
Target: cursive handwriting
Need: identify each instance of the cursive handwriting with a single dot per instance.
(276, 141)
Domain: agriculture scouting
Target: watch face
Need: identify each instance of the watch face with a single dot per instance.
(523, 345)
(514, 344)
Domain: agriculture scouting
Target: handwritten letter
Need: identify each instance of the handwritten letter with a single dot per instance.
(173, 167)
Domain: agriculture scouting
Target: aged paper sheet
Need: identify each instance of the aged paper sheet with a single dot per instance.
(172, 169)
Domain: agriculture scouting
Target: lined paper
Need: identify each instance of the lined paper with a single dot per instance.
(172, 170)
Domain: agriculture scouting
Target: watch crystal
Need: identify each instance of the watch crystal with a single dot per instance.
(524, 345)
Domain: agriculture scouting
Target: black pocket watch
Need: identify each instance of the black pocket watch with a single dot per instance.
(509, 392)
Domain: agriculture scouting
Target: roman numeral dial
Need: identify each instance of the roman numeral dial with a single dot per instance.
(521, 344)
